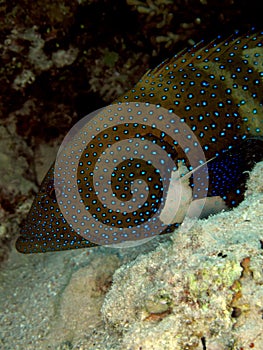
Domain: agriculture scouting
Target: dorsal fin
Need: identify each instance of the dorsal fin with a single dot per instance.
(200, 51)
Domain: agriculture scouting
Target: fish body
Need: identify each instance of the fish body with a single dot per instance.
(216, 90)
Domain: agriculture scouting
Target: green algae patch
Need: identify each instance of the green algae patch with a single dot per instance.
(213, 277)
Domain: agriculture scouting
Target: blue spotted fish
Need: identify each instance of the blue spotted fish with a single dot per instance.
(217, 91)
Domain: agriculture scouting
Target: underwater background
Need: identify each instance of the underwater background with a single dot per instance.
(202, 289)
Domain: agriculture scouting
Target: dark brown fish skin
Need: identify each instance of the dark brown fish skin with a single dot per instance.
(217, 91)
(217, 84)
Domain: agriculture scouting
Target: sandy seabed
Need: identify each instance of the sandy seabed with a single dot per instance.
(201, 288)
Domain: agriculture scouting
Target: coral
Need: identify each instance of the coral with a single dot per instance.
(38, 61)
(209, 278)
(167, 23)
(110, 78)
(15, 183)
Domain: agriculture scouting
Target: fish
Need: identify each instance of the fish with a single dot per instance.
(216, 90)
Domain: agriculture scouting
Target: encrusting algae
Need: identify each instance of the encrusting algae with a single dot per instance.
(209, 280)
